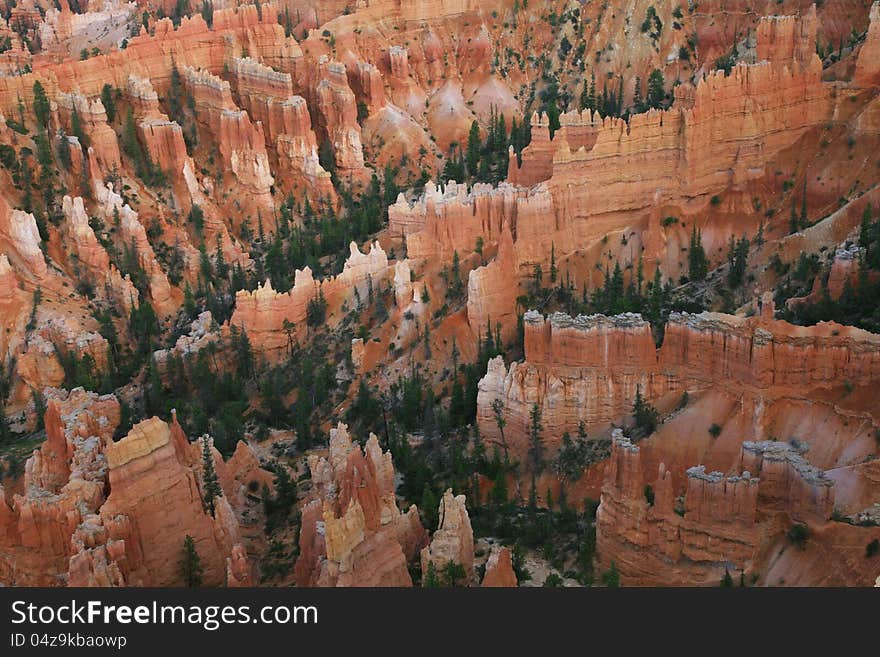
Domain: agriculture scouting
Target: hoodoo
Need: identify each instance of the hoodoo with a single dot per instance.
(447, 293)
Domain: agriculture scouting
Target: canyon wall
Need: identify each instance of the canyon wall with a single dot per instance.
(268, 97)
(598, 187)
(731, 523)
(588, 369)
(651, 544)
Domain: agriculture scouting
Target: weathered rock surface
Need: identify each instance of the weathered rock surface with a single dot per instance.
(454, 539)
(589, 368)
(499, 570)
(353, 533)
(264, 311)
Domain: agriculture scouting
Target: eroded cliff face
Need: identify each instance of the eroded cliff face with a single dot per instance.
(731, 523)
(588, 369)
(94, 512)
(64, 481)
(721, 136)
(398, 83)
(136, 537)
(353, 533)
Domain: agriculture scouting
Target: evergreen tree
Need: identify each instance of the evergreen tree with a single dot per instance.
(656, 92)
(175, 95)
(42, 110)
(429, 506)
(727, 580)
(698, 264)
(210, 483)
(191, 563)
(645, 415)
(738, 255)
(455, 291)
(638, 101)
(499, 489)
(76, 128)
(611, 577)
(473, 150)
(108, 100)
(207, 12)
(501, 422)
(536, 447)
(244, 353)
(431, 580)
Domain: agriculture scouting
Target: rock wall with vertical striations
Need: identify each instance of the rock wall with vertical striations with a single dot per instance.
(268, 96)
(588, 369)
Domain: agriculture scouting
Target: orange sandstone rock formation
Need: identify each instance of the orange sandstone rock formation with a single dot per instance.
(868, 64)
(731, 523)
(499, 570)
(263, 312)
(353, 533)
(64, 481)
(454, 539)
(588, 369)
(269, 98)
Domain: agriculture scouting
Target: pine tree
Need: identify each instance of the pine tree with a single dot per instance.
(501, 422)
(210, 483)
(656, 92)
(727, 580)
(611, 577)
(42, 109)
(431, 580)
(638, 102)
(191, 563)
(698, 266)
(244, 353)
(456, 286)
(645, 415)
(536, 448)
(473, 150)
(553, 271)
